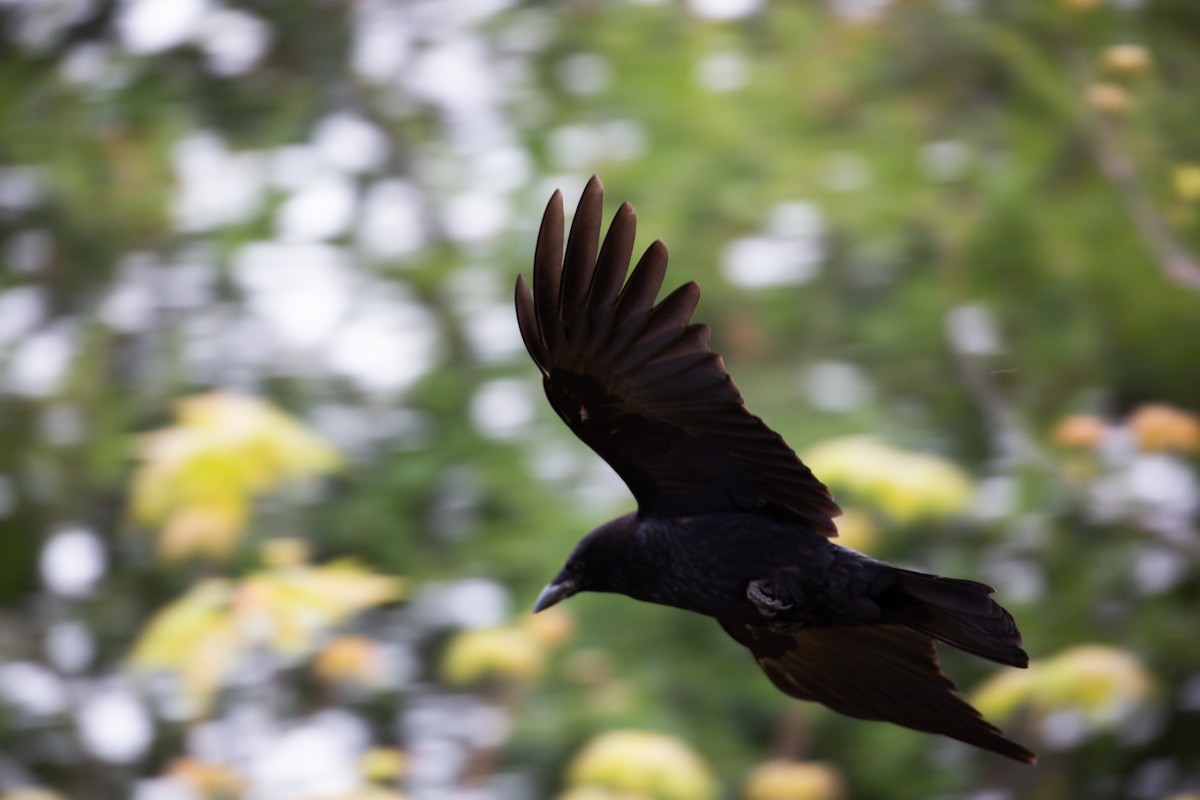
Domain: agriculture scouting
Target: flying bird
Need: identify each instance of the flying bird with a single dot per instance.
(729, 522)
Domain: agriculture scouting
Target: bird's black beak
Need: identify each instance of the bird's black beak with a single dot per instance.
(555, 592)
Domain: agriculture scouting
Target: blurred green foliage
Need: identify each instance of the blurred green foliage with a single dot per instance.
(986, 220)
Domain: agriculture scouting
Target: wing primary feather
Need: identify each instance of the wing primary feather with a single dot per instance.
(637, 298)
(527, 322)
(547, 272)
(579, 262)
(612, 266)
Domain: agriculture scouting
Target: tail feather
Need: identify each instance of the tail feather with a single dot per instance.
(958, 612)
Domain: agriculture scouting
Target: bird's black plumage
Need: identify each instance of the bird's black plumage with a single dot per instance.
(730, 523)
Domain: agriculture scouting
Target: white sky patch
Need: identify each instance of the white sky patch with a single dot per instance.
(571, 184)
(189, 280)
(723, 72)
(757, 262)
(38, 24)
(584, 73)
(468, 603)
(301, 291)
(455, 74)
(32, 688)
(92, 64)
(475, 216)
(859, 11)
(503, 169)
(836, 386)
(320, 210)
(947, 160)
(72, 562)
(350, 143)
(151, 26)
(295, 166)
(61, 424)
(996, 497)
(795, 219)
(1164, 483)
(216, 187)
(502, 409)
(788, 253)
(972, 330)
(389, 343)
(601, 488)
(130, 304)
(391, 224)
(318, 757)
(493, 334)
(382, 41)
(724, 9)
(21, 309)
(234, 41)
(577, 147)
(70, 646)
(845, 172)
(21, 188)
(553, 461)
(622, 139)
(114, 726)
(484, 306)
(1157, 570)
(573, 147)
(41, 361)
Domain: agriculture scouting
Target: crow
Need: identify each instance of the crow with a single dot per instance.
(729, 522)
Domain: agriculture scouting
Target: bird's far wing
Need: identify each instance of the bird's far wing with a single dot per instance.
(637, 382)
(876, 672)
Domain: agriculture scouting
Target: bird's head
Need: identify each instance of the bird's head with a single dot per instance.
(595, 565)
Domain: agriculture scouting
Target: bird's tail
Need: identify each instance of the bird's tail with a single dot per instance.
(958, 612)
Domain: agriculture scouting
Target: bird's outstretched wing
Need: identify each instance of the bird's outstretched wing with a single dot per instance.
(876, 672)
(637, 382)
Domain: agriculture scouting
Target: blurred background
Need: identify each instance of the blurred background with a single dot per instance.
(278, 485)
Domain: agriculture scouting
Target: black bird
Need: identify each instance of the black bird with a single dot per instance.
(730, 523)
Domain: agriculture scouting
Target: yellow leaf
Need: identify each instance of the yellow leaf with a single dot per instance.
(1108, 98)
(31, 793)
(1159, 427)
(382, 764)
(350, 659)
(209, 530)
(194, 638)
(491, 653)
(645, 763)
(211, 780)
(1005, 692)
(1186, 178)
(197, 479)
(279, 442)
(199, 637)
(284, 551)
(1080, 430)
(292, 606)
(1103, 684)
(795, 780)
(909, 486)
(1126, 59)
